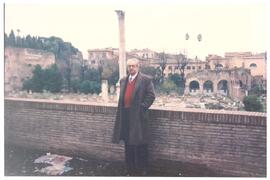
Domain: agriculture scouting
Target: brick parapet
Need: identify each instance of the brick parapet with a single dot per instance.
(227, 142)
(207, 116)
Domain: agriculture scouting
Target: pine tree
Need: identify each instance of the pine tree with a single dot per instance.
(11, 39)
(6, 40)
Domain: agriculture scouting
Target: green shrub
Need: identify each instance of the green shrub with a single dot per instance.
(252, 103)
(90, 87)
(168, 86)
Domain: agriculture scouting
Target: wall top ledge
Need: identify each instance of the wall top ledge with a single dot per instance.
(164, 108)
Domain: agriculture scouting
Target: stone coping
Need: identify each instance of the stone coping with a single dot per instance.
(113, 105)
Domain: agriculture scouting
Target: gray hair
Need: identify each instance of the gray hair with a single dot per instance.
(133, 60)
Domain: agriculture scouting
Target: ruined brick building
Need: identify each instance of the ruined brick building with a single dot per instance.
(19, 64)
(230, 75)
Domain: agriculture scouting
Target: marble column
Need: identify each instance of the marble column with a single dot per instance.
(122, 49)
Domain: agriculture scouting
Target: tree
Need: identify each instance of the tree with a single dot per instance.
(39, 43)
(113, 79)
(52, 44)
(48, 79)
(252, 103)
(162, 63)
(90, 87)
(83, 70)
(19, 42)
(6, 39)
(176, 78)
(36, 82)
(63, 51)
(256, 90)
(182, 62)
(92, 75)
(109, 70)
(168, 86)
(28, 84)
(18, 31)
(37, 79)
(52, 79)
(155, 73)
(89, 83)
(11, 39)
(28, 41)
(75, 85)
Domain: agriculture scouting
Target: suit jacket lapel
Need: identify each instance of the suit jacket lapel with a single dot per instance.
(137, 85)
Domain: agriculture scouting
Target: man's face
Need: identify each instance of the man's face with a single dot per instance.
(132, 67)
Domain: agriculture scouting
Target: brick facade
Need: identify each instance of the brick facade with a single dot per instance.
(229, 143)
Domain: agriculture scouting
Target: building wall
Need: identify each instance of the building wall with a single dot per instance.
(260, 70)
(19, 63)
(97, 56)
(242, 60)
(235, 88)
(229, 143)
(144, 53)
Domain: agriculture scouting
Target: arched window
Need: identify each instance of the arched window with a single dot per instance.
(253, 65)
(240, 84)
(194, 85)
(222, 87)
(208, 85)
(207, 66)
(219, 66)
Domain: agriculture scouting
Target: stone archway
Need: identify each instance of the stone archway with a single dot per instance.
(208, 86)
(240, 84)
(253, 65)
(194, 86)
(219, 66)
(222, 87)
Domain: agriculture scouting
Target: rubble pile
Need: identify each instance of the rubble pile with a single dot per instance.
(198, 101)
(172, 100)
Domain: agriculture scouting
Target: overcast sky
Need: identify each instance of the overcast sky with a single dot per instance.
(224, 26)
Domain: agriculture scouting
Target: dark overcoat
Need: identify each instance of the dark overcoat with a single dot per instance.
(142, 98)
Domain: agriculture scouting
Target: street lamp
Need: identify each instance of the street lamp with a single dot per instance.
(199, 38)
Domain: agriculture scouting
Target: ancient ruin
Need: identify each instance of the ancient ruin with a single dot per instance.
(19, 63)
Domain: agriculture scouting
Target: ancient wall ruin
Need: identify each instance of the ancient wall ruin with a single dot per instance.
(20, 62)
(233, 83)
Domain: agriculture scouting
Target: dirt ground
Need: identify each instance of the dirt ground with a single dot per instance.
(20, 162)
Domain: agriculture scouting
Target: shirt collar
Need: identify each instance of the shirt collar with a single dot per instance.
(134, 76)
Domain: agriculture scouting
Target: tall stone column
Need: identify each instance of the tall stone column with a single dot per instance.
(122, 49)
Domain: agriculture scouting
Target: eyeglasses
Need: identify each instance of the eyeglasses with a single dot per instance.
(132, 65)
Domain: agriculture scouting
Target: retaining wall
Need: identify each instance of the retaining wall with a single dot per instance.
(227, 142)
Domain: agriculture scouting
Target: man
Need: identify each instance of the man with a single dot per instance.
(136, 96)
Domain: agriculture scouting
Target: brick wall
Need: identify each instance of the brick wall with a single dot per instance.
(229, 143)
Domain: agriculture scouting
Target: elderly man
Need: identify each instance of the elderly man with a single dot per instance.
(131, 125)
